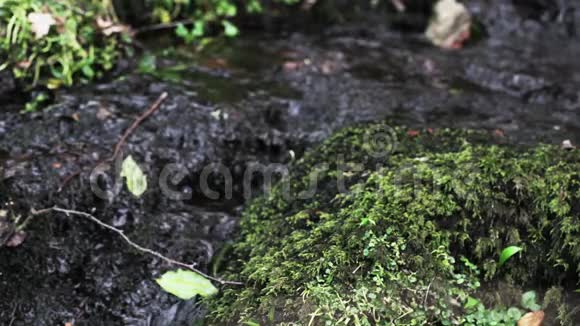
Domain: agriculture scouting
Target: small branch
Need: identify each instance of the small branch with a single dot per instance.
(13, 315)
(399, 5)
(133, 244)
(427, 294)
(154, 107)
(157, 27)
(67, 180)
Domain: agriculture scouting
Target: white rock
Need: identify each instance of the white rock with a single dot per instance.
(449, 24)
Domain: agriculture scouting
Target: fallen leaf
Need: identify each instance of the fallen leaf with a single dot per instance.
(567, 144)
(216, 63)
(135, 178)
(40, 23)
(532, 319)
(24, 64)
(103, 113)
(449, 27)
(186, 284)
(413, 133)
(108, 27)
(60, 24)
(16, 240)
(292, 65)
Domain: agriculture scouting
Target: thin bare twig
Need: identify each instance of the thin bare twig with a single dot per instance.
(399, 5)
(154, 107)
(13, 315)
(157, 27)
(67, 180)
(131, 243)
(427, 294)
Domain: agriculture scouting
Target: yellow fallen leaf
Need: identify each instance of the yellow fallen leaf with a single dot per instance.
(534, 318)
(40, 23)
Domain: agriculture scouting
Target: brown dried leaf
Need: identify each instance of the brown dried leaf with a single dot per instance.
(103, 113)
(108, 27)
(16, 240)
(292, 65)
(24, 64)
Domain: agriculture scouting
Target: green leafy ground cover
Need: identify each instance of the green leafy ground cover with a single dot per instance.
(415, 240)
(60, 43)
(55, 43)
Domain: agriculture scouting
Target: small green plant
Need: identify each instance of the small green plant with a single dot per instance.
(480, 316)
(507, 253)
(201, 16)
(529, 301)
(477, 314)
(147, 64)
(37, 102)
(190, 35)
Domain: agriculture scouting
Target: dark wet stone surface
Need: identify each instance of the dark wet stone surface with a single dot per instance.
(255, 100)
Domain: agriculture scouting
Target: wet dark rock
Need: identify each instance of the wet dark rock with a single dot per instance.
(8, 87)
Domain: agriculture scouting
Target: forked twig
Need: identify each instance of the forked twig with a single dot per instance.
(131, 243)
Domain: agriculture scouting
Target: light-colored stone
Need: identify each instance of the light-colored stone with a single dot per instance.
(450, 24)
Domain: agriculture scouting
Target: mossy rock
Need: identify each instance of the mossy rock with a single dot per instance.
(403, 228)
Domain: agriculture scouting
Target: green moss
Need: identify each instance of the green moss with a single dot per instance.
(407, 242)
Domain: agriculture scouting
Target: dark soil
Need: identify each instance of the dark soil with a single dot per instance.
(254, 100)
